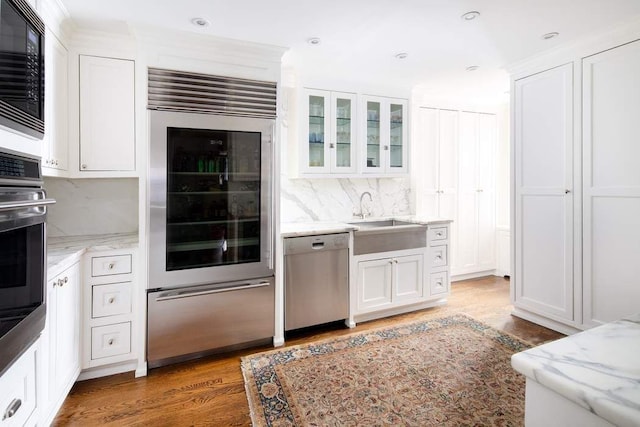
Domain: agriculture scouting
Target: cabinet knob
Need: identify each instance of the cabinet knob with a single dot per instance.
(110, 342)
(386, 148)
(395, 261)
(479, 190)
(438, 257)
(111, 300)
(567, 191)
(61, 282)
(439, 233)
(12, 409)
(84, 166)
(390, 261)
(332, 145)
(111, 265)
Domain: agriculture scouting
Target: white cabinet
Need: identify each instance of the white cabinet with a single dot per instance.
(62, 337)
(438, 162)
(474, 244)
(543, 180)
(107, 114)
(611, 184)
(55, 154)
(384, 124)
(328, 132)
(108, 302)
(398, 281)
(18, 390)
(390, 281)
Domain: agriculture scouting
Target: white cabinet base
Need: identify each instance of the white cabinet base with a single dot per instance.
(546, 408)
(544, 321)
(365, 317)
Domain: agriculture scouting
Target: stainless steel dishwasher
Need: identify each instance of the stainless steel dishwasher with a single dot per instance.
(316, 280)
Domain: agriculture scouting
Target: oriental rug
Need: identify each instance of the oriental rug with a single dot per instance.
(452, 371)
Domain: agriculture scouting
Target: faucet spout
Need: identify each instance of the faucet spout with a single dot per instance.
(366, 193)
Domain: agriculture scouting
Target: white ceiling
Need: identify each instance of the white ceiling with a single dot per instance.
(361, 37)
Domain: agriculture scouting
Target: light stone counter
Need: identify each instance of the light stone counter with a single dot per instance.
(64, 251)
(598, 369)
(295, 229)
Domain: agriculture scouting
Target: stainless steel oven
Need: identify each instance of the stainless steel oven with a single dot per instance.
(22, 255)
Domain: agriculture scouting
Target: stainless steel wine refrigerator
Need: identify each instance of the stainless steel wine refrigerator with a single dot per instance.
(211, 224)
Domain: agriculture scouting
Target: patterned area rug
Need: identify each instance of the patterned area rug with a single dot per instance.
(451, 371)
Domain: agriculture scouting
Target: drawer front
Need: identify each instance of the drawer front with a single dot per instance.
(438, 256)
(439, 283)
(110, 340)
(109, 265)
(18, 391)
(111, 299)
(438, 233)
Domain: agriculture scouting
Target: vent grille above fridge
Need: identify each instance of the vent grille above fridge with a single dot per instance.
(202, 93)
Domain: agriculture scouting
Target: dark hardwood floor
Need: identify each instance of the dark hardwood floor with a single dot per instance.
(210, 391)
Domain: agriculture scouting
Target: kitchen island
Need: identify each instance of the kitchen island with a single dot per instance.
(588, 379)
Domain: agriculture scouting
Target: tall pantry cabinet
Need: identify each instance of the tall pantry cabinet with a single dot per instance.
(576, 191)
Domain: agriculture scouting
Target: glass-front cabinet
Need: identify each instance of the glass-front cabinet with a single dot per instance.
(328, 132)
(385, 129)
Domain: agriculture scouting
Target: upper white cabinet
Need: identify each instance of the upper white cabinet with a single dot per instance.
(55, 154)
(107, 114)
(384, 147)
(328, 132)
(611, 184)
(543, 181)
(474, 245)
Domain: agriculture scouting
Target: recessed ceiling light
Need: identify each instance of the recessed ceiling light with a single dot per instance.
(472, 67)
(200, 22)
(470, 16)
(550, 35)
(314, 41)
(402, 55)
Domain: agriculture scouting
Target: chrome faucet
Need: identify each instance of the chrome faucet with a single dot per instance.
(362, 214)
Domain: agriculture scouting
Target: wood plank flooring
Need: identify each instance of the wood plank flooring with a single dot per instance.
(210, 391)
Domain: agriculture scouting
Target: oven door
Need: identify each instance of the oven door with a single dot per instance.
(210, 199)
(22, 269)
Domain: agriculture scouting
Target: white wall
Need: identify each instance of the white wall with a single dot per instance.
(92, 206)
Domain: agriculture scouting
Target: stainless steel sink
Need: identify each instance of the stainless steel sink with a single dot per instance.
(387, 235)
(383, 223)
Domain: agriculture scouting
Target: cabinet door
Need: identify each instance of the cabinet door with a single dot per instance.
(396, 146)
(543, 222)
(611, 185)
(314, 154)
(372, 158)
(107, 114)
(343, 133)
(448, 163)
(374, 284)
(63, 318)
(486, 191)
(428, 129)
(55, 143)
(408, 278)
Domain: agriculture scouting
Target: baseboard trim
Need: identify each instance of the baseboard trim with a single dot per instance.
(105, 371)
(544, 321)
(474, 275)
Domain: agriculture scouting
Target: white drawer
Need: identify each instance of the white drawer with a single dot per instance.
(110, 340)
(108, 265)
(437, 233)
(437, 256)
(111, 299)
(18, 391)
(439, 283)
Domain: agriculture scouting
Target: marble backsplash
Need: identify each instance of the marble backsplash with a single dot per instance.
(303, 200)
(92, 206)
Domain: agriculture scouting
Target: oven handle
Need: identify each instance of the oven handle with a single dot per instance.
(184, 294)
(10, 206)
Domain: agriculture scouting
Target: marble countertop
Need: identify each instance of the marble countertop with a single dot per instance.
(294, 229)
(598, 369)
(61, 249)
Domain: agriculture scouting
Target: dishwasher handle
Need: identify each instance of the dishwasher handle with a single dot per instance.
(317, 245)
(171, 295)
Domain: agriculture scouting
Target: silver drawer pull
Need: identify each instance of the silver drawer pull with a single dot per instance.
(192, 293)
(12, 409)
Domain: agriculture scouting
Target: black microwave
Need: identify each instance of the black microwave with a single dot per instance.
(21, 68)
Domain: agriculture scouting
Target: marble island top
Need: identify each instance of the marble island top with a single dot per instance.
(61, 249)
(598, 369)
(293, 229)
